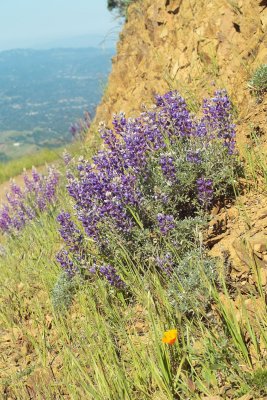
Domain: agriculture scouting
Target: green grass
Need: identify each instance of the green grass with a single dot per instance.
(15, 167)
(107, 346)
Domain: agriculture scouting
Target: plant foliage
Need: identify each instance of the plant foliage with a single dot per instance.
(258, 82)
(145, 196)
(120, 5)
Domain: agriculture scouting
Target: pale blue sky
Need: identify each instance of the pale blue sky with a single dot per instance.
(37, 23)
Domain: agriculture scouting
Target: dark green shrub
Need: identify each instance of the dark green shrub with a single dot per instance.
(120, 5)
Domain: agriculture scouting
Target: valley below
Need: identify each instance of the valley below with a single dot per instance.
(43, 92)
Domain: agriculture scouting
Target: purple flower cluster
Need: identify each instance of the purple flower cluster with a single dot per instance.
(113, 278)
(218, 119)
(193, 156)
(174, 115)
(71, 235)
(63, 258)
(167, 166)
(66, 157)
(104, 191)
(142, 174)
(79, 128)
(24, 204)
(165, 263)
(205, 191)
(166, 223)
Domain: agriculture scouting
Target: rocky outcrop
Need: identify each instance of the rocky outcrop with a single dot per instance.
(242, 239)
(193, 46)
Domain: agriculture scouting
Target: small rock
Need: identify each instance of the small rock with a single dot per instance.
(263, 276)
(212, 241)
(232, 213)
(259, 247)
(262, 214)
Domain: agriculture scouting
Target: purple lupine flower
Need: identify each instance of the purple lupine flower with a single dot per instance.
(50, 184)
(5, 219)
(113, 278)
(25, 204)
(42, 189)
(193, 157)
(15, 196)
(119, 122)
(205, 191)
(79, 128)
(66, 263)
(29, 184)
(167, 165)
(35, 175)
(166, 223)
(165, 263)
(93, 269)
(16, 190)
(202, 129)
(67, 157)
(175, 116)
(219, 119)
(19, 219)
(74, 129)
(71, 235)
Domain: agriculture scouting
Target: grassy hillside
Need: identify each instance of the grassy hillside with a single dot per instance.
(138, 333)
(136, 267)
(13, 168)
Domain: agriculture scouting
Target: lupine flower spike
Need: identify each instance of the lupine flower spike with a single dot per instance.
(155, 172)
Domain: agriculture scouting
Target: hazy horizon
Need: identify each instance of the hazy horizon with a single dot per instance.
(81, 41)
(57, 24)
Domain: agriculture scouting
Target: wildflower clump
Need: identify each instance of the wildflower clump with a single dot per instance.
(79, 128)
(258, 82)
(146, 193)
(25, 204)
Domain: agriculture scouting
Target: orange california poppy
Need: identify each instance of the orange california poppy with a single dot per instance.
(170, 336)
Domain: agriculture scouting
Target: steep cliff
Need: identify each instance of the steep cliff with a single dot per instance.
(197, 46)
(193, 46)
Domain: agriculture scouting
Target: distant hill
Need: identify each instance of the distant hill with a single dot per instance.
(43, 91)
(104, 41)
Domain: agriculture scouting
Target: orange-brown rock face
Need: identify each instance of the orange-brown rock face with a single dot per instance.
(193, 46)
